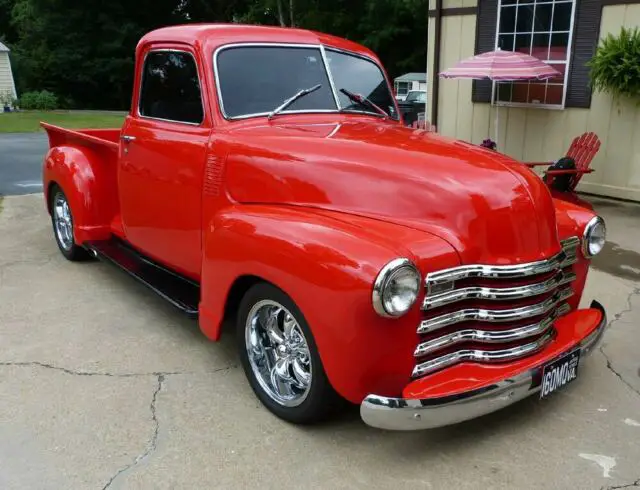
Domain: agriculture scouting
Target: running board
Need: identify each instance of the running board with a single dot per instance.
(181, 292)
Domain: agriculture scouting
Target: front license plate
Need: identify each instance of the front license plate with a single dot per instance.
(559, 373)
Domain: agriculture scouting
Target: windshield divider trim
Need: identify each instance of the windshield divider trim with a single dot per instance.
(330, 76)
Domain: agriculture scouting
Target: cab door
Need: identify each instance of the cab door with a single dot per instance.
(163, 153)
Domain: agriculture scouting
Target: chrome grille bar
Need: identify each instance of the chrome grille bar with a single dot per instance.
(489, 337)
(561, 260)
(481, 356)
(505, 315)
(503, 294)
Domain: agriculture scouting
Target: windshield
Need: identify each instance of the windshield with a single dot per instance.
(416, 97)
(255, 80)
(359, 76)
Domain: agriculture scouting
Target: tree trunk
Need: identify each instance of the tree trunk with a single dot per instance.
(280, 14)
(291, 13)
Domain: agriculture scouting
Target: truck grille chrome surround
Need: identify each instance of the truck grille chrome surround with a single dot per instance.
(487, 313)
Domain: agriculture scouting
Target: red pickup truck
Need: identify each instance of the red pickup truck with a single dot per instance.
(264, 179)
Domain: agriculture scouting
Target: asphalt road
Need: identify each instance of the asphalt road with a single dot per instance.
(21, 162)
(105, 386)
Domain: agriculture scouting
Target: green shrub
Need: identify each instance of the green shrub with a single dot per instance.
(615, 68)
(39, 101)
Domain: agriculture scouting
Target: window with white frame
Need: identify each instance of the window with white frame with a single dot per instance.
(402, 88)
(541, 28)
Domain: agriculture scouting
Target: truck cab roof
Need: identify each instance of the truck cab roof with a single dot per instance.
(211, 36)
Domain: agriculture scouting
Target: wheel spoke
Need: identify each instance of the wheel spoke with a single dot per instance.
(301, 374)
(269, 321)
(289, 324)
(274, 334)
(281, 379)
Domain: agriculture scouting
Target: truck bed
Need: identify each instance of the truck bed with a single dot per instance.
(105, 138)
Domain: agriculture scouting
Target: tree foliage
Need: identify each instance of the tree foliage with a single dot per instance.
(83, 50)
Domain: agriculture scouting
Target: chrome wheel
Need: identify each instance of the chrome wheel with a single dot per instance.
(63, 221)
(278, 353)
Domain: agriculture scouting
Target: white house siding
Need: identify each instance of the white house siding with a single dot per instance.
(542, 134)
(6, 75)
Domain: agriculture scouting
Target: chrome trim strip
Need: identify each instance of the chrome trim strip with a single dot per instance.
(490, 337)
(414, 414)
(496, 271)
(506, 315)
(569, 243)
(330, 76)
(562, 259)
(478, 355)
(500, 294)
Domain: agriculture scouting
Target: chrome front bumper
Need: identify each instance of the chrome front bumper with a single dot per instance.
(414, 414)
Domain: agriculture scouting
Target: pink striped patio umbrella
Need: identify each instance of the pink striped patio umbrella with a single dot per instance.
(501, 66)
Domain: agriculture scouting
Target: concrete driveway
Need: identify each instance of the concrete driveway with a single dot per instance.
(103, 385)
(21, 162)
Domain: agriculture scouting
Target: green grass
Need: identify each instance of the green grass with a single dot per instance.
(29, 121)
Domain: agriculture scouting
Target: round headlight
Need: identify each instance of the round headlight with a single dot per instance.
(595, 234)
(396, 288)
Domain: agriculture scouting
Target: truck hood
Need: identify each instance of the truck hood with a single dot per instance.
(490, 208)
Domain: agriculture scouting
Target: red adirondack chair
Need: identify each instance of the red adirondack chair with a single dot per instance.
(582, 150)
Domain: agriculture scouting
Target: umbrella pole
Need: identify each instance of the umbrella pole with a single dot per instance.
(497, 126)
(497, 121)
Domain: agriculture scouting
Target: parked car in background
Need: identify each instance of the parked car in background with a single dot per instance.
(412, 105)
(263, 178)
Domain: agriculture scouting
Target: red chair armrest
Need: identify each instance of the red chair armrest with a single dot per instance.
(537, 164)
(569, 171)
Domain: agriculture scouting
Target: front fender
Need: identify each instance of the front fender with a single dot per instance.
(327, 266)
(88, 180)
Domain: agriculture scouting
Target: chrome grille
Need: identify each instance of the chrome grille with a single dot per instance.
(485, 313)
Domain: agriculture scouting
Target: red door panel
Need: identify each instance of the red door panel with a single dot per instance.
(160, 182)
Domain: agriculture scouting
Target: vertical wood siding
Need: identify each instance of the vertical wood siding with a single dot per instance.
(6, 78)
(544, 134)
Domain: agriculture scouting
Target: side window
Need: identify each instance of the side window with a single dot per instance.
(170, 87)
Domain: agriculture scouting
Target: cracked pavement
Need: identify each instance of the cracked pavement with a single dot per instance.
(105, 386)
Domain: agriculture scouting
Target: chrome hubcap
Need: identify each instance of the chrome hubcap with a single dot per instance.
(278, 353)
(63, 221)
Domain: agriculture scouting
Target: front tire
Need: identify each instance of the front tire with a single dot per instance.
(62, 221)
(280, 357)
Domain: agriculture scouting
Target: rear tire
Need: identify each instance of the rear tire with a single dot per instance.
(280, 357)
(63, 227)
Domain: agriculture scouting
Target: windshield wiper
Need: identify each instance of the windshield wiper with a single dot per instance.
(362, 100)
(292, 99)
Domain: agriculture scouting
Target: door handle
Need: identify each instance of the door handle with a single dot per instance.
(127, 139)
